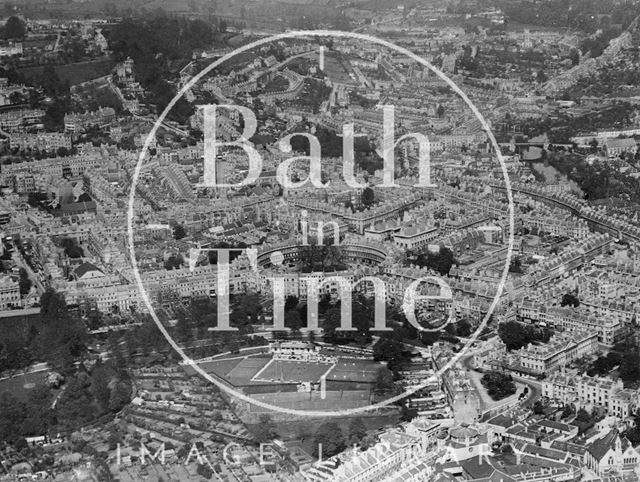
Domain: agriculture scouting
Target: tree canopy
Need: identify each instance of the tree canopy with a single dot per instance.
(330, 436)
(155, 44)
(515, 335)
(384, 381)
(569, 299)
(71, 248)
(14, 28)
(368, 196)
(498, 385)
(59, 338)
(264, 431)
(442, 261)
(630, 367)
(179, 231)
(357, 431)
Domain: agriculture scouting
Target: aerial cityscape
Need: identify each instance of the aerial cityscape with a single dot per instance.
(320, 240)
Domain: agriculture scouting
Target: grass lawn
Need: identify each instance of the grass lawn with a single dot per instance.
(16, 327)
(335, 70)
(235, 62)
(21, 386)
(293, 371)
(291, 430)
(76, 73)
(277, 84)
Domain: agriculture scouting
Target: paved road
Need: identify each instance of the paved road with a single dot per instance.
(308, 53)
(535, 390)
(533, 394)
(22, 263)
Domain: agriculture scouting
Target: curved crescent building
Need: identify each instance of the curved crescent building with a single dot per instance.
(353, 251)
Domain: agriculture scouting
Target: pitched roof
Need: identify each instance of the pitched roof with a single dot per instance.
(601, 446)
(556, 425)
(502, 421)
(499, 476)
(620, 143)
(85, 268)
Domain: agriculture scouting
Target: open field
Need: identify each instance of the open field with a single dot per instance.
(334, 69)
(75, 73)
(244, 371)
(19, 318)
(354, 371)
(18, 327)
(292, 371)
(373, 421)
(235, 62)
(334, 400)
(238, 370)
(260, 369)
(298, 434)
(63, 9)
(22, 386)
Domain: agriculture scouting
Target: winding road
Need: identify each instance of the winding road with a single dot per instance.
(487, 403)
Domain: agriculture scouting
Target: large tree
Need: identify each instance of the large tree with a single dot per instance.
(100, 386)
(515, 335)
(633, 434)
(368, 196)
(156, 44)
(442, 261)
(463, 328)
(498, 385)
(384, 381)
(293, 320)
(14, 28)
(179, 231)
(330, 324)
(63, 338)
(391, 352)
(25, 282)
(264, 431)
(52, 306)
(630, 367)
(570, 299)
(357, 431)
(331, 438)
(13, 413)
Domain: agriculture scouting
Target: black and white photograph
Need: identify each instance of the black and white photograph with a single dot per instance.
(320, 240)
